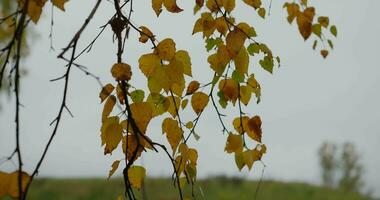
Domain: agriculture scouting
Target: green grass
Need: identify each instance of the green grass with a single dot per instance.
(220, 188)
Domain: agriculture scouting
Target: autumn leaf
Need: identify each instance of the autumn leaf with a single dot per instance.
(114, 166)
(136, 175)
(173, 132)
(106, 91)
(234, 143)
(192, 87)
(228, 5)
(324, 53)
(108, 107)
(148, 63)
(235, 41)
(145, 34)
(121, 72)
(171, 6)
(13, 183)
(324, 21)
(142, 114)
(254, 3)
(157, 6)
(166, 49)
(254, 128)
(111, 135)
(174, 105)
(34, 8)
(183, 57)
(304, 21)
(238, 122)
(242, 61)
(199, 101)
(59, 3)
(239, 160)
(229, 88)
(293, 11)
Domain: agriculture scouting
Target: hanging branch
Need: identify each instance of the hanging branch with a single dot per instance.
(72, 45)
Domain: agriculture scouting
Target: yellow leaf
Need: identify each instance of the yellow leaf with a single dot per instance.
(254, 128)
(229, 5)
(121, 72)
(216, 64)
(255, 87)
(245, 94)
(4, 184)
(208, 24)
(112, 136)
(142, 114)
(248, 158)
(115, 165)
(174, 71)
(223, 55)
(183, 56)
(189, 125)
(173, 105)
(192, 87)
(261, 12)
(145, 34)
(293, 11)
(157, 6)
(198, 26)
(136, 175)
(192, 155)
(221, 25)
(148, 63)
(108, 107)
(13, 187)
(34, 8)
(239, 160)
(59, 3)
(324, 21)
(173, 132)
(242, 61)
(234, 143)
(171, 6)
(254, 3)
(235, 41)
(184, 103)
(158, 80)
(199, 101)
(238, 122)
(107, 122)
(106, 91)
(166, 49)
(213, 5)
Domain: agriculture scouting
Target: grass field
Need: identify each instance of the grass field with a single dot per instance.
(220, 188)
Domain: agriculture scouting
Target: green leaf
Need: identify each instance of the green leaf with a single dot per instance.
(137, 96)
(237, 76)
(267, 64)
(333, 30)
(222, 100)
(253, 49)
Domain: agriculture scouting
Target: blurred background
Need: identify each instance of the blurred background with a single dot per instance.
(320, 117)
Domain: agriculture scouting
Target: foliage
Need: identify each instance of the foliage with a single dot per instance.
(167, 69)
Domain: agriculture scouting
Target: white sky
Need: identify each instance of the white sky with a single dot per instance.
(307, 101)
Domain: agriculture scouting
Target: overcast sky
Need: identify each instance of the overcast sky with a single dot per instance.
(304, 103)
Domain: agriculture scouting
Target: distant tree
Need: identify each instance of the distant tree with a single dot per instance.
(327, 159)
(352, 170)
